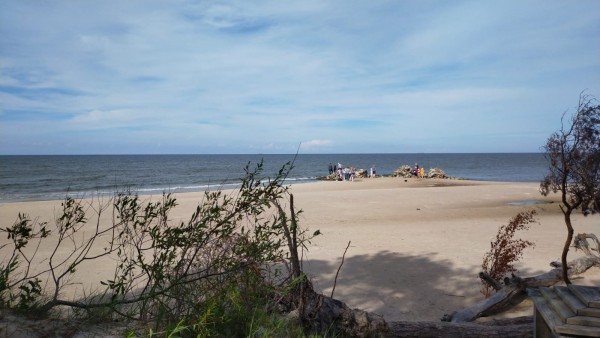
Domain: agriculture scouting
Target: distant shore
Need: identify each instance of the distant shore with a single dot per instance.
(416, 244)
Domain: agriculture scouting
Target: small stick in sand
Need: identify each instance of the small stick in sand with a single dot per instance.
(339, 268)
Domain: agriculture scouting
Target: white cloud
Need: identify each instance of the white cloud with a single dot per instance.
(315, 144)
(105, 119)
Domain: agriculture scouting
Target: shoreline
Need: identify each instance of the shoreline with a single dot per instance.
(46, 197)
(416, 245)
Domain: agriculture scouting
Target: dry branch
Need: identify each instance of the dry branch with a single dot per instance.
(339, 268)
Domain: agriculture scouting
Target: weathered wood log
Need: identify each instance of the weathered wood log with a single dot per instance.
(327, 314)
(517, 327)
(321, 313)
(490, 281)
(576, 267)
(581, 242)
(504, 299)
(514, 293)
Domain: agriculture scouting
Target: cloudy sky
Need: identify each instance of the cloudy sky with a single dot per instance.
(113, 77)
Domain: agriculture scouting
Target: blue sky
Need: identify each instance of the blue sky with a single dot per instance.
(114, 77)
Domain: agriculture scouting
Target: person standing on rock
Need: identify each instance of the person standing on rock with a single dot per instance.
(422, 172)
(330, 168)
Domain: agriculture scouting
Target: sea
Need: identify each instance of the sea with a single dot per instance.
(50, 177)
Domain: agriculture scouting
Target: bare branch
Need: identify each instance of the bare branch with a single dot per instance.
(338, 270)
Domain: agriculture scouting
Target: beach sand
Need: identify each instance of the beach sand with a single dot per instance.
(416, 244)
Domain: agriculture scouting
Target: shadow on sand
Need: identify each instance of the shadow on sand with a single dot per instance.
(398, 286)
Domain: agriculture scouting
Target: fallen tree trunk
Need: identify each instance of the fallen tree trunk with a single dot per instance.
(517, 327)
(321, 313)
(324, 314)
(514, 290)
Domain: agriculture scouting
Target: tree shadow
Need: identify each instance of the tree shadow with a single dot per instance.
(398, 286)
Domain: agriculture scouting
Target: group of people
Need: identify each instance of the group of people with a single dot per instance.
(420, 173)
(343, 174)
(347, 173)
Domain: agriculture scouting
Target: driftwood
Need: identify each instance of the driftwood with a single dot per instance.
(515, 327)
(322, 313)
(514, 290)
(580, 242)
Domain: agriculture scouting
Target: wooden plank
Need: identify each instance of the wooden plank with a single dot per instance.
(540, 327)
(569, 298)
(583, 320)
(561, 309)
(586, 331)
(589, 295)
(589, 311)
(544, 309)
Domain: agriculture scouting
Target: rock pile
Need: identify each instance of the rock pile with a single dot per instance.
(358, 173)
(406, 171)
(361, 173)
(332, 177)
(436, 173)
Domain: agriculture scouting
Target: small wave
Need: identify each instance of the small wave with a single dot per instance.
(187, 188)
(300, 179)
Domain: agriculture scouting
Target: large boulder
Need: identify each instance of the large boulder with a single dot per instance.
(361, 173)
(358, 173)
(403, 171)
(406, 171)
(332, 177)
(436, 173)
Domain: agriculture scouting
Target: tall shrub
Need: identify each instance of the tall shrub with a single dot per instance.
(506, 250)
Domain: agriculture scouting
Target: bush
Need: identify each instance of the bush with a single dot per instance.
(221, 272)
(505, 251)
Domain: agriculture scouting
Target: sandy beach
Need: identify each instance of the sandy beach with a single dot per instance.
(416, 245)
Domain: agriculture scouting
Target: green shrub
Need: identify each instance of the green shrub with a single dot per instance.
(220, 273)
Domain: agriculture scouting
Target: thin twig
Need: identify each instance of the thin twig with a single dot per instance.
(339, 268)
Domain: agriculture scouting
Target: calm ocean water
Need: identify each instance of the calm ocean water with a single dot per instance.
(52, 177)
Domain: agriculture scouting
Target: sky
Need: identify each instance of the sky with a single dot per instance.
(259, 77)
